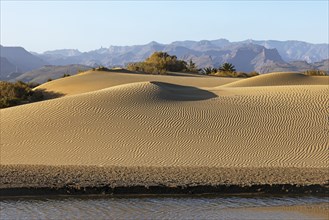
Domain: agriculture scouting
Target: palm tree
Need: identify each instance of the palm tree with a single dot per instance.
(191, 67)
(227, 67)
(208, 70)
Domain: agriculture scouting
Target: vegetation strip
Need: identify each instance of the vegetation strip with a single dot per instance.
(21, 180)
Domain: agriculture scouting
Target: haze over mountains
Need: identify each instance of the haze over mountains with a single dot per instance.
(48, 72)
(247, 56)
(16, 60)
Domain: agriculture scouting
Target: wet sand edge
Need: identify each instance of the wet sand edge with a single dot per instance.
(317, 211)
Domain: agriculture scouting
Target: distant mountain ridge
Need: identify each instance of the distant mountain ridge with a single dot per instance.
(16, 60)
(297, 50)
(249, 55)
(246, 55)
(41, 75)
(24, 60)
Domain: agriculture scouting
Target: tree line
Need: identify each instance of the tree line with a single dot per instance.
(162, 63)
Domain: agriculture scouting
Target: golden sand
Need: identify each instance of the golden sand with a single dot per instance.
(110, 130)
(96, 80)
(154, 123)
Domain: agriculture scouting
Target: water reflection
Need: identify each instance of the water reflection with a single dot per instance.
(210, 207)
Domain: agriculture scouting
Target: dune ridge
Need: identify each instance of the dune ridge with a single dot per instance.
(156, 123)
(281, 79)
(96, 80)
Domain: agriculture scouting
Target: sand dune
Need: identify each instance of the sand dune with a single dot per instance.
(157, 123)
(96, 80)
(280, 79)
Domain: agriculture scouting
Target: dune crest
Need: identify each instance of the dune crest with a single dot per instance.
(95, 80)
(281, 79)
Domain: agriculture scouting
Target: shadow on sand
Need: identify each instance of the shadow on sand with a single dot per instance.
(176, 92)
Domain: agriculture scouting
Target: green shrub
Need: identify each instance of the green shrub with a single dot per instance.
(192, 67)
(17, 93)
(102, 68)
(159, 63)
(227, 67)
(208, 70)
(32, 84)
(150, 68)
(66, 75)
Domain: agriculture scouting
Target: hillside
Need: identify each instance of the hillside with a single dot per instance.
(23, 60)
(297, 66)
(296, 50)
(44, 73)
(7, 69)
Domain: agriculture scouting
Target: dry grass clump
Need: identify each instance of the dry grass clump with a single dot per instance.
(101, 68)
(316, 73)
(235, 74)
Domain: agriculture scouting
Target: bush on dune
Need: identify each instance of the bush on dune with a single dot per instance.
(101, 68)
(316, 73)
(227, 70)
(146, 68)
(235, 74)
(65, 75)
(159, 63)
(17, 93)
(208, 71)
(192, 67)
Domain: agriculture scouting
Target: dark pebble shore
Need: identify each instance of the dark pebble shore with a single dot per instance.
(36, 180)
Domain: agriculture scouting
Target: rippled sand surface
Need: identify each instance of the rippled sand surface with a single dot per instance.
(272, 120)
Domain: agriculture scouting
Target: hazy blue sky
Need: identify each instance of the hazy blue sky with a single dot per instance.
(87, 25)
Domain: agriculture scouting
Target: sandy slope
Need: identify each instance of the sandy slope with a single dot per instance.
(95, 80)
(153, 123)
(280, 79)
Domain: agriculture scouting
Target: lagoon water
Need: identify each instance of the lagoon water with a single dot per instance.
(154, 207)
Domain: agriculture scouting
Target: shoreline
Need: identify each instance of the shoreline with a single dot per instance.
(34, 180)
(314, 211)
(278, 189)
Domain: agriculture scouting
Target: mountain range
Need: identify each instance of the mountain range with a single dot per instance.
(16, 60)
(49, 72)
(246, 56)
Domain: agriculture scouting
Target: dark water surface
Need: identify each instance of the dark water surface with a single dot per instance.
(153, 207)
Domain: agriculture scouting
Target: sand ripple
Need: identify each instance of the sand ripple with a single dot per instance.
(245, 124)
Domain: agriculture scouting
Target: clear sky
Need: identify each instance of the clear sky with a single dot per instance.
(87, 25)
